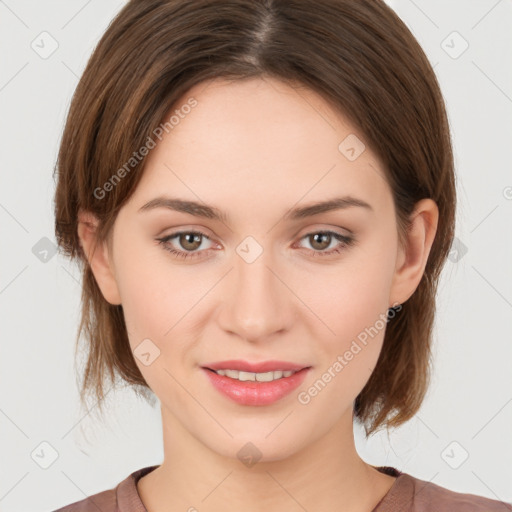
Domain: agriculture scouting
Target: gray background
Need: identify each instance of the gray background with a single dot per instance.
(468, 411)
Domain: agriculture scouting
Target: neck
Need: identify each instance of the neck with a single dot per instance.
(327, 475)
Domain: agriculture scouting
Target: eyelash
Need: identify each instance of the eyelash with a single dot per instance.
(345, 242)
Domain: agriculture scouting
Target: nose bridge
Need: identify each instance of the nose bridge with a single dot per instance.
(258, 303)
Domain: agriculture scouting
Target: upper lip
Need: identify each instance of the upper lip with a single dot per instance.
(246, 366)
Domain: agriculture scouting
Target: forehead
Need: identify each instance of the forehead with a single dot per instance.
(260, 140)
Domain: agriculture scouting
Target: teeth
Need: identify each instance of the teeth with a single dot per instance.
(259, 377)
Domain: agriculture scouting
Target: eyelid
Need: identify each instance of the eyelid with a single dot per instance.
(325, 227)
(180, 228)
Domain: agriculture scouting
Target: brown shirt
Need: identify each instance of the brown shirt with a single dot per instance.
(407, 494)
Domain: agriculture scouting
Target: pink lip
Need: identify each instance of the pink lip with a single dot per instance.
(253, 392)
(245, 366)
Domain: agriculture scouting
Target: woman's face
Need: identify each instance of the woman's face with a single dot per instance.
(260, 283)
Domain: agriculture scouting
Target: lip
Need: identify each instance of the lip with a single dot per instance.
(262, 367)
(254, 392)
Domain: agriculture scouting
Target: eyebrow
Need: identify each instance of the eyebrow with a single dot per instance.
(210, 212)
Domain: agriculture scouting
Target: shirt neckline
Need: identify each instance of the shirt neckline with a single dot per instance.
(399, 494)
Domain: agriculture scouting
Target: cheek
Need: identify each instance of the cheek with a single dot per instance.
(353, 306)
(355, 311)
(158, 299)
(155, 293)
(354, 294)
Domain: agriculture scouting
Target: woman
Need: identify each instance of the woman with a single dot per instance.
(262, 195)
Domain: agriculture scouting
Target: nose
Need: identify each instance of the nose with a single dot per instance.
(258, 303)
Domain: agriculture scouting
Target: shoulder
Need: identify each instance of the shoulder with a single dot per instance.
(106, 501)
(122, 498)
(430, 497)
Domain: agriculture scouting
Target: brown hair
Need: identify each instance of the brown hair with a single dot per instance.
(357, 54)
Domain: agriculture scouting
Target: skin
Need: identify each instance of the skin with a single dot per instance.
(255, 149)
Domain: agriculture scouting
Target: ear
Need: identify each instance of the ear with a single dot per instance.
(412, 259)
(98, 257)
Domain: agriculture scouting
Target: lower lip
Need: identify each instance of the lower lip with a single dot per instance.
(253, 392)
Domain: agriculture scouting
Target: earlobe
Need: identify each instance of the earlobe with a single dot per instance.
(412, 259)
(98, 257)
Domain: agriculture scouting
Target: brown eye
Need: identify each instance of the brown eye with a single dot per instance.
(187, 243)
(190, 241)
(320, 241)
(184, 244)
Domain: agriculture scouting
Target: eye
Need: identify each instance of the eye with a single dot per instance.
(320, 240)
(191, 241)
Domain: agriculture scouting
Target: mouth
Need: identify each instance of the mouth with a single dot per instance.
(261, 367)
(239, 381)
(265, 371)
(254, 376)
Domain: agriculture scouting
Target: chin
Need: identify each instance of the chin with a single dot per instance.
(257, 448)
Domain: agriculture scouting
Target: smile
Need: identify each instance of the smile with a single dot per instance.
(251, 376)
(251, 388)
